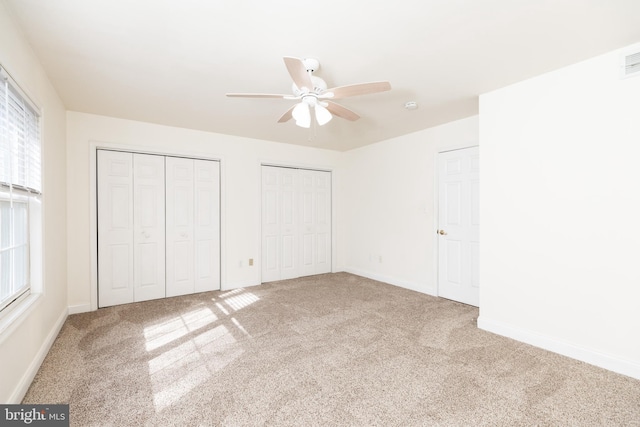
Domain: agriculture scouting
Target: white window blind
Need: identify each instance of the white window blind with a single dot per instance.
(20, 132)
(20, 183)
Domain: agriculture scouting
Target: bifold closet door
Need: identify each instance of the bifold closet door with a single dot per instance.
(279, 223)
(192, 224)
(207, 225)
(130, 227)
(115, 228)
(148, 227)
(315, 222)
(296, 223)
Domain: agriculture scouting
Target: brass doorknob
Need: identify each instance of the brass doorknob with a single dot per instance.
(442, 232)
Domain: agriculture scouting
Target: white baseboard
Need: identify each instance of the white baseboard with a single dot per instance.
(611, 363)
(82, 308)
(85, 308)
(23, 386)
(414, 286)
(246, 284)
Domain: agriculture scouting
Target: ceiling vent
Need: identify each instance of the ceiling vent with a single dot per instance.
(631, 65)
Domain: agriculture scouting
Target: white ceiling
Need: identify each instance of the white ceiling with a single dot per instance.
(172, 61)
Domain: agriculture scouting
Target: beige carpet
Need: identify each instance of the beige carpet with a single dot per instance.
(326, 350)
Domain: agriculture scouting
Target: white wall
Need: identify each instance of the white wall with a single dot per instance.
(23, 347)
(560, 203)
(391, 212)
(241, 199)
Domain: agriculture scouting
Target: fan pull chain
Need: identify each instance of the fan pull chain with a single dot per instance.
(313, 132)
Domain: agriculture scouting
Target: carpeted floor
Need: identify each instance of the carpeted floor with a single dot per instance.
(327, 350)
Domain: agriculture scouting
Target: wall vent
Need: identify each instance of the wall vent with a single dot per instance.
(631, 65)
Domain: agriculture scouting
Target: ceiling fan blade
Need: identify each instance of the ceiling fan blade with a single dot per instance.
(359, 89)
(298, 72)
(287, 115)
(256, 95)
(341, 111)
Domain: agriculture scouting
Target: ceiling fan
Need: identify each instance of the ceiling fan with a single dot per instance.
(313, 94)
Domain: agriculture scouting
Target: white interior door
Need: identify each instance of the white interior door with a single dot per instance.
(180, 226)
(279, 223)
(207, 225)
(115, 228)
(458, 230)
(315, 219)
(149, 231)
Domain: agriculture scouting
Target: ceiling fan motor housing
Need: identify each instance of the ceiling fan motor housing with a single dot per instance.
(319, 86)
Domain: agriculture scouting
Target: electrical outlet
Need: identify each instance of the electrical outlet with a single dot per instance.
(250, 262)
(380, 259)
(240, 264)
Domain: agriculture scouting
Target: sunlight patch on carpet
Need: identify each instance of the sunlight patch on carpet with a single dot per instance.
(241, 301)
(163, 333)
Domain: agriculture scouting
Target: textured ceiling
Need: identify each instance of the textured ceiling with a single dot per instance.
(172, 61)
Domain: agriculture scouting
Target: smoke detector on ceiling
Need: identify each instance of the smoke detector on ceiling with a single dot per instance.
(411, 105)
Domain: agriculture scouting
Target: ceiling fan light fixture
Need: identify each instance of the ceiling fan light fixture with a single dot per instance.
(302, 115)
(323, 116)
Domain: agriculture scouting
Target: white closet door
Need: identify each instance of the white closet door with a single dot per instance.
(322, 181)
(115, 228)
(323, 222)
(149, 231)
(158, 226)
(270, 224)
(289, 233)
(207, 225)
(315, 234)
(280, 233)
(296, 223)
(180, 226)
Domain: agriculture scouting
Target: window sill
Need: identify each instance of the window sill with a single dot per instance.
(16, 315)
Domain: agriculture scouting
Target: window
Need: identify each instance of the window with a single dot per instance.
(20, 188)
